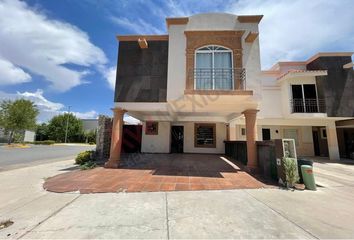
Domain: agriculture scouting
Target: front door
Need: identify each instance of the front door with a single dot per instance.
(316, 144)
(177, 139)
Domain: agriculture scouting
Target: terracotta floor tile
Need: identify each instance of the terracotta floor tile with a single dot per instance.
(157, 179)
(195, 180)
(212, 186)
(168, 187)
(169, 179)
(182, 180)
(151, 187)
(166, 172)
(138, 187)
(196, 186)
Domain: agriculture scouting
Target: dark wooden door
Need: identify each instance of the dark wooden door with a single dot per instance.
(177, 137)
(316, 144)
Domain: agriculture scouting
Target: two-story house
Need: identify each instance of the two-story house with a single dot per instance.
(202, 84)
(304, 100)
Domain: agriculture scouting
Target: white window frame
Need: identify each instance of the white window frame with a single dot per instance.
(212, 51)
(297, 139)
(323, 131)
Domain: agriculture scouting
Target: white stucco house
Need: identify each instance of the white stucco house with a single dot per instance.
(202, 84)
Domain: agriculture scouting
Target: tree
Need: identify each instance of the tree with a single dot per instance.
(57, 127)
(90, 136)
(42, 132)
(17, 115)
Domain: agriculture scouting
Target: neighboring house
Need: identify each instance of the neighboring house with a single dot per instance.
(306, 100)
(89, 125)
(202, 84)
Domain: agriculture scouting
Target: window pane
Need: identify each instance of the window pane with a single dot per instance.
(203, 71)
(310, 91)
(223, 70)
(297, 101)
(297, 91)
(310, 98)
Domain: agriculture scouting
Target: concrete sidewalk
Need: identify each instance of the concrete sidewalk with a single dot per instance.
(262, 213)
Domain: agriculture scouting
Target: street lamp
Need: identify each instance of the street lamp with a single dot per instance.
(67, 124)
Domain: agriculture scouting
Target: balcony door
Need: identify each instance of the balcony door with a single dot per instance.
(213, 68)
(304, 98)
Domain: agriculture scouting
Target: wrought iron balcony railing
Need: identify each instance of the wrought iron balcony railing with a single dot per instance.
(299, 105)
(219, 78)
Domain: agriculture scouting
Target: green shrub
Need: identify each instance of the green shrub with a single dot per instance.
(84, 157)
(88, 165)
(92, 143)
(46, 142)
(291, 172)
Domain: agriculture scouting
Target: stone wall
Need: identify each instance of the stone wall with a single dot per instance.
(103, 141)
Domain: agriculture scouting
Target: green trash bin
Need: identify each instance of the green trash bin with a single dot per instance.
(307, 175)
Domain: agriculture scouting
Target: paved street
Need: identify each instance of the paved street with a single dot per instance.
(11, 158)
(261, 213)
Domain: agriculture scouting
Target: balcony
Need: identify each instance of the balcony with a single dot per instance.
(299, 105)
(224, 79)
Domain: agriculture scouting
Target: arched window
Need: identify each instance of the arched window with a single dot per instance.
(213, 68)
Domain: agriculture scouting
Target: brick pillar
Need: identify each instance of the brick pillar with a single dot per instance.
(251, 137)
(116, 140)
(332, 141)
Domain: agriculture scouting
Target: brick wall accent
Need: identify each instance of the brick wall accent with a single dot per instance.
(197, 39)
(103, 141)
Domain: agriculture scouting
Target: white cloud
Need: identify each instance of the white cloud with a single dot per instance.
(110, 76)
(47, 109)
(296, 30)
(131, 120)
(10, 74)
(86, 115)
(30, 40)
(41, 101)
(136, 25)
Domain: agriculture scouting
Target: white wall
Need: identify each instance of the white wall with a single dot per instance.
(252, 63)
(271, 104)
(176, 76)
(157, 143)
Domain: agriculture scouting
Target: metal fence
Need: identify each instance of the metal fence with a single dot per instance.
(299, 105)
(219, 78)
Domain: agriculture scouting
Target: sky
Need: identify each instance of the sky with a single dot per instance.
(64, 53)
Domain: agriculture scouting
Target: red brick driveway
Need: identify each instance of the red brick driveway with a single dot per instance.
(157, 172)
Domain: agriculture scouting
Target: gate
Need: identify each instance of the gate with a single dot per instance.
(131, 142)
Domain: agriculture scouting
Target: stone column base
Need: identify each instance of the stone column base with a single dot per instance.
(111, 164)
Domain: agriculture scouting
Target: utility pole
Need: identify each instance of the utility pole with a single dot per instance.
(67, 124)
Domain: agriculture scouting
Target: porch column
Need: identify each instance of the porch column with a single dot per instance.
(116, 140)
(251, 137)
(332, 141)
